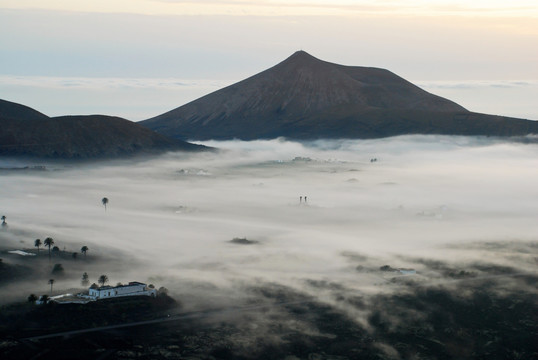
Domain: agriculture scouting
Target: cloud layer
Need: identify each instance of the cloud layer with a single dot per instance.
(423, 197)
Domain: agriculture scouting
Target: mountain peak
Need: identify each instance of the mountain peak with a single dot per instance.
(301, 53)
(305, 97)
(301, 56)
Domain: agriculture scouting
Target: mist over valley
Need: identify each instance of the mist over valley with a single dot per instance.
(310, 225)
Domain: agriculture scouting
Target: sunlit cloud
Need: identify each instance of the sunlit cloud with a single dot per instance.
(520, 8)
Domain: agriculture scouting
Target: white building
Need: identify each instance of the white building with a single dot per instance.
(134, 288)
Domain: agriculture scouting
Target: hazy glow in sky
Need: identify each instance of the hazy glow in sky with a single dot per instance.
(527, 8)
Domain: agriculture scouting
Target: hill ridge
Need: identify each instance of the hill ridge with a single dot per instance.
(27, 132)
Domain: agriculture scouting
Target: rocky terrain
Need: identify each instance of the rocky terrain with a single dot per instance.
(488, 312)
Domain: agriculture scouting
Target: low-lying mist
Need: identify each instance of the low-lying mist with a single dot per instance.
(311, 213)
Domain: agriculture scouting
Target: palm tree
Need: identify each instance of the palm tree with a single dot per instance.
(37, 244)
(83, 250)
(104, 201)
(48, 242)
(103, 279)
(85, 281)
(4, 219)
(51, 282)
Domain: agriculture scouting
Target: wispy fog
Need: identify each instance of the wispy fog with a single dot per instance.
(170, 219)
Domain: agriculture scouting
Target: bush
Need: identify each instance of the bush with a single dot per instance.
(58, 269)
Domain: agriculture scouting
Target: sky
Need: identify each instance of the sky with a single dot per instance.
(140, 58)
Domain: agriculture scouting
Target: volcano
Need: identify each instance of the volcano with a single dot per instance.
(307, 98)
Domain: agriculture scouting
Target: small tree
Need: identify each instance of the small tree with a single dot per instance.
(44, 299)
(32, 298)
(83, 250)
(85, 281)
(56, 250)
(51, 282)
(4, 223)
(37, 244)
(49, 242)
(162, 291)
(74, 255)
(104, 201)
(58, 269)
(103, 279)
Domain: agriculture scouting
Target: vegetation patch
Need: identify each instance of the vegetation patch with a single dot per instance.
(243, 241)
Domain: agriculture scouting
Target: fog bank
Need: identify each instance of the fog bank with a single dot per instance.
(173, 216)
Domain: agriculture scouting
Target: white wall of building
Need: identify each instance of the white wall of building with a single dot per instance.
(132, 289)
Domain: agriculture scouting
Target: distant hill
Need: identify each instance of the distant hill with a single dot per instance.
(11, 110)
(27, 132)
(307, 98)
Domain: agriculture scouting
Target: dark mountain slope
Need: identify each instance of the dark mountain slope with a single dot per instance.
(304, 97)
(26, 132)
(11, 110)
